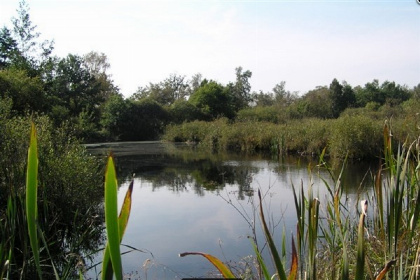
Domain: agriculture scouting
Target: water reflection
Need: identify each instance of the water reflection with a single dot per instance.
(181, 194)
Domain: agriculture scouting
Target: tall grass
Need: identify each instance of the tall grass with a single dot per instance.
(357, 136)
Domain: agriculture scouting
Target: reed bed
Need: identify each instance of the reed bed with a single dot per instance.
(357, 136)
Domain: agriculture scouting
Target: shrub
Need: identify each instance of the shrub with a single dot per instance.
(70, 194)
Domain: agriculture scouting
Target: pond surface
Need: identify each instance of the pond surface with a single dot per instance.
(188, 200)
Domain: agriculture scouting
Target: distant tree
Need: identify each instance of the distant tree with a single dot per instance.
(388, 92)
(416, 92)
(8, 48)
(33, 54)
(283, 96)
(341, 97)
(115, 118)
(27, 93)
(241, 89)
(394, 94)
(173, 88)
(213, 100)
(315, 104)
(183, 110)
(262, 99)
(195, 82)
(97, 65)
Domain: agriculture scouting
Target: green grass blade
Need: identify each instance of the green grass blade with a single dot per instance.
(31, 197)
(260, 261)
(274, 253)
(122, 224)
(227, 274)
(111, 218)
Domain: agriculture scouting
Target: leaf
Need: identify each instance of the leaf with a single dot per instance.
(111, 218)
(274, 253)
(294, 265)
(122, 224)
(387, 267)
(31, 197)
(260, 261)
(227, 274)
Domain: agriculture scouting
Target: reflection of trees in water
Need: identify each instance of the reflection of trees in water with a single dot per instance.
(181, 173)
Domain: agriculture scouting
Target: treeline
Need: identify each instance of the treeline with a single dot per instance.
(77, 92)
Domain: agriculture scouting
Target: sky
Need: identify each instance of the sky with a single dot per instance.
(304, 43)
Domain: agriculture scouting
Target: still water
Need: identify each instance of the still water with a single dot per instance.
(188, 200)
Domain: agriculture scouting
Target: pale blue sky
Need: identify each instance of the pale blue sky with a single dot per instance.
(305, 43)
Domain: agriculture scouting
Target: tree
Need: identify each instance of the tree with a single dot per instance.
(213, 100)
(33, 53)
(27, 93)
(173, 88)
(283, 96)
(315, 104)
(195, 82)
(341, 97)
(8, 48)
(183, 110)
(262, 99)
(241, 89)
(97, 65)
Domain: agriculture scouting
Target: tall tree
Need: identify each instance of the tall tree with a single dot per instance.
(241, 89)
(33, 53)
(8, 48)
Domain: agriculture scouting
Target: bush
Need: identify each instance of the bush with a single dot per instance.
(70, 194)
(358, 137)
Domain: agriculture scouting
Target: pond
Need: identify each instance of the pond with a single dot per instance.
(188, 200)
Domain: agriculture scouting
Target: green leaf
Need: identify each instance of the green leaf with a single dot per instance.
(227, 274)
(111, 218)
(31, 197)
(274, 253)
(260, 260)
(122, 225)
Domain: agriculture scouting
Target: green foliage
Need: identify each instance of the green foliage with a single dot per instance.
(358, 137)
(69, 210)
(388, 92)
(342, 97)
(167, 92)
(184, 111)
(213, 100)
(273, 114)
(26, 92)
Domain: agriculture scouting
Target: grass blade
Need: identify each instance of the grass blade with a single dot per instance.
(271, 245)
(122, 225)
(260, 261)
(227, 274)
(111, 218)
(31, 197)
